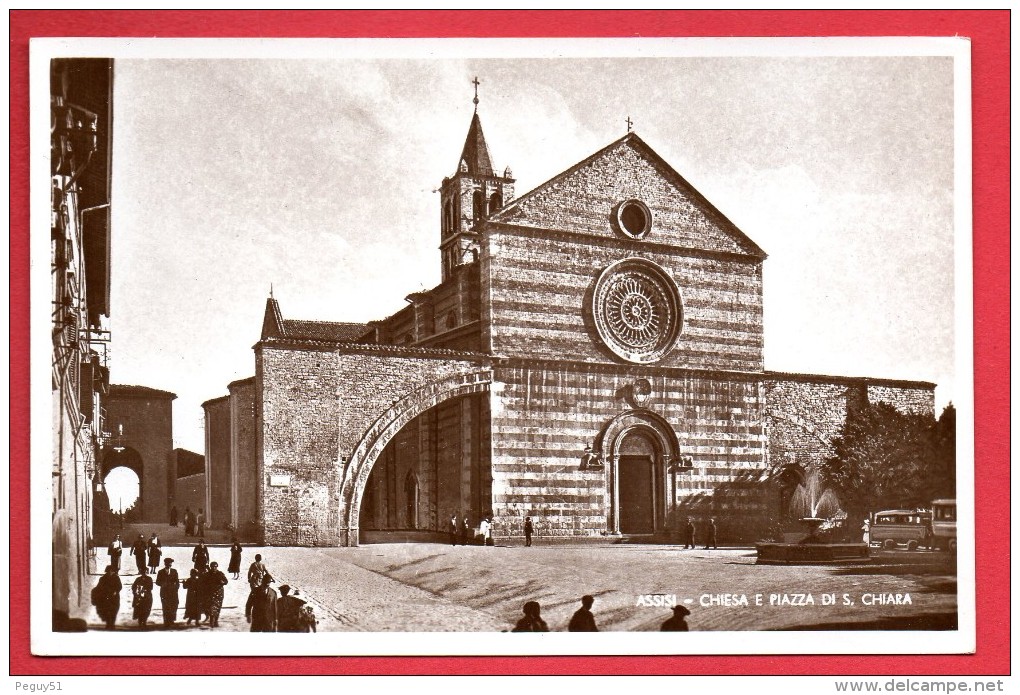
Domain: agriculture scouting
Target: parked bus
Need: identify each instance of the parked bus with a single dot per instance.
(943, 524)
(895, 526)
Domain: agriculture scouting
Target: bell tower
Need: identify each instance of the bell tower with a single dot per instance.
(473, 193)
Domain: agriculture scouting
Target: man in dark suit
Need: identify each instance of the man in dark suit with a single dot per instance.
(711, 539)
(140, 550)
(169, 591)
(263, 609)
(689, 534)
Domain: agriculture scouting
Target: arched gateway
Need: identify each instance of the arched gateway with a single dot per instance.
(356, 468)
(325, 413)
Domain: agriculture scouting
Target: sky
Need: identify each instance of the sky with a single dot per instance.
(319, 178)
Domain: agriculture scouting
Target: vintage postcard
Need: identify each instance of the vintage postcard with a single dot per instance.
(369, 338)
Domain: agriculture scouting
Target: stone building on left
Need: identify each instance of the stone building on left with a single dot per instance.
(81, 116)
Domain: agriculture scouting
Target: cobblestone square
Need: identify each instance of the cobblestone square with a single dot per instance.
(435, 587)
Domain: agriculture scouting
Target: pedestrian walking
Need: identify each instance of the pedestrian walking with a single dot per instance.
(173, 515)
(289, 611)
(711, 538)
(264, 608)
(454, 530)
(203, 594)
(192, 590)
(141, 601)
(678, 622)
(140, 550)
(155, 553)
(689, 534)
(465, 531)
(106, 596)
(532, 620)
(114, 551)
(169, 587)
(200, 523)
(200, 556)
(583, 620)
(529, 528)
(189, 522)
(214, 583)
(256, 573)
(866, 532)
(307, 617)
(235, 559)
(485, 530)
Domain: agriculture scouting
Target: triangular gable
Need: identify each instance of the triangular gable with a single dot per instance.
(582, 199)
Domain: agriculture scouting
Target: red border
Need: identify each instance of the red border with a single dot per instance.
(989, 33)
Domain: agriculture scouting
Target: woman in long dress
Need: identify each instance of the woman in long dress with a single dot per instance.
(142, 601)
(155, 553)
(235, 559)
(106, 596)
(191, 607)
(214, 583)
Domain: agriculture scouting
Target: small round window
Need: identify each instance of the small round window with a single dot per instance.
(633, 218)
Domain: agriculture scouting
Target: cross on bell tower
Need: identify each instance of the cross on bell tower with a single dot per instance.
(468, 197)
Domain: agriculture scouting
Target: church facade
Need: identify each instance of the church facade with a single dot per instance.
(593, 358)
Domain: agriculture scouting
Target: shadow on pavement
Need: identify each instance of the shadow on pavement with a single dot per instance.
(924, 621)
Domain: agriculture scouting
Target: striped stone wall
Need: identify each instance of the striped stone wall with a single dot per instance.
(543, 416)
(538, 287)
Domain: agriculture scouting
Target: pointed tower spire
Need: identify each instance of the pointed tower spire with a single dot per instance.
(476, 151)
(467, 198)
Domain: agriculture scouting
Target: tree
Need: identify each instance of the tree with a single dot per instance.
(886, 459)
(942, 483)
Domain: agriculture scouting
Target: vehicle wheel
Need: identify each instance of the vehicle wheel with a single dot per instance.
(889, 544)
(911, 545)
(952, 545)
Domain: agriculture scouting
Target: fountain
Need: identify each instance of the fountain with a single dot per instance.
(809, 546)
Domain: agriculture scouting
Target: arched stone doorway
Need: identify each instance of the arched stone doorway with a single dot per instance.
(640, 448)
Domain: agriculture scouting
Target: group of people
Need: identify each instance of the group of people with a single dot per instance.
(461, 530)
(147, 553)
(583, 619)
(268, 611)
(711, 535)
(194, 524)
(204, 591)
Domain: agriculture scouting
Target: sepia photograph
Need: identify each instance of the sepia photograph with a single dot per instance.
(368, 338)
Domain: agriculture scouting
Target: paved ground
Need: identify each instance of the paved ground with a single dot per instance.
(432, 587)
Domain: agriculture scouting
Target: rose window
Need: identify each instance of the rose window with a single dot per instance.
(637, 310)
